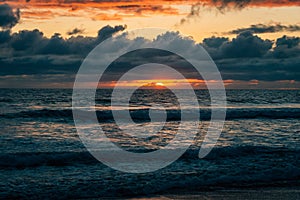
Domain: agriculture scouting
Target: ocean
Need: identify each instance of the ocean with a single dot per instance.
(42, 156)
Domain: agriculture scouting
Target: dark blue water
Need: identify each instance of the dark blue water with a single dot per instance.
(42, 155)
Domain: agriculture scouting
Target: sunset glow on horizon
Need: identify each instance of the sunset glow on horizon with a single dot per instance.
(43, 43)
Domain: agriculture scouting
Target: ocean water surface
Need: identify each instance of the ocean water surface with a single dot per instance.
(41, 155)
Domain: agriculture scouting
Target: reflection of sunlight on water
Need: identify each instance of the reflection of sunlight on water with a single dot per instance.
(41, 131)
(255, 132)
(241, 132)
(172, 107)
(39, 136)
(256, 149)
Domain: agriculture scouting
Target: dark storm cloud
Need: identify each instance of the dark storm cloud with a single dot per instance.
(33, 42)
(75, 31)
(289, 42)
(245, 45)
(214, 42)
(263, 28)
(8, 17)
(245, 57)
(4, 36)
(287, 47)
(108, 31)
(27, 40)
(39, 64)
(262, 69)
(30, 52)
(249, 57)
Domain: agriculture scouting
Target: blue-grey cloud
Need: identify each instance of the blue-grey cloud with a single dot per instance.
(75, 31)
(245, 45)
(30, 52)
(33, 42)
(8, 17)
(249, 57)
(270, 28)
(215, 42)
(222, 6)
(245, 57)
(108, 31)
(287, 47)
(4, 36)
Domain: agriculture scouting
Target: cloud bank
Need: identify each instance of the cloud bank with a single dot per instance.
(28, 54)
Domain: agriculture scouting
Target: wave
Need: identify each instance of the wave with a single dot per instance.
(38, 159)
(39, 113)
(172, 115)
(6, 100)
(224, 167)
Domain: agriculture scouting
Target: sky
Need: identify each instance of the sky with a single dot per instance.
(254, 43)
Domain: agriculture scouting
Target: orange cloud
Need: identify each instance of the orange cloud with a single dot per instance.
(114, 10)
(137, 6)
(129, 8)
(108, 17)
(47, 14)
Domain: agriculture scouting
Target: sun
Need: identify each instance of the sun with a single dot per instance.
(154, 85)
(159, 84)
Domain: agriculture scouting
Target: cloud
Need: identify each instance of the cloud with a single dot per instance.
(108, 31)
(146, 9)
(75, 31)
(30, 52)
(289, 42)
(245, 45)
(262, 69)
(194, 12)
(134, 4)
(102, 10)
(8, 17)
(263, 28)
(38, 14)
(214, 42)
(4, 36)
(222, 6)
(287, 47)
(120, 9)
(40, 64)
(240, 4)
(27, 40)
(246, 57)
